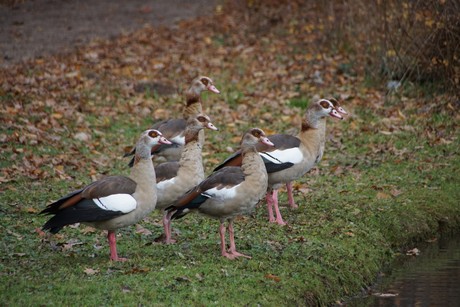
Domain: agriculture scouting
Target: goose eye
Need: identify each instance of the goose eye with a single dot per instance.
(205, 81)
(325, 104)
(153, 134)
(201, 119)
(257, 133)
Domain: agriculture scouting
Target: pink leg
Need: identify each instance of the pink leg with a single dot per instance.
(269, 199)
(167, 227)
(111, 237)
(279, 218)
(290, 196)
(232, 242)
(223, 246)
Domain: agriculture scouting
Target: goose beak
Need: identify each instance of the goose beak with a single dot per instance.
(336, 114)
(163, 140)
(213, 89)
(266, 141)
(342, 110)
(211, 126)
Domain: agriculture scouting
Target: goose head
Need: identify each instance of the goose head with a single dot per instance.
(201, 84)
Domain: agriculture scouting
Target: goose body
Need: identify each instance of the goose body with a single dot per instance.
(292, 156)
(176, 178)
(112, 202)
(230, 192)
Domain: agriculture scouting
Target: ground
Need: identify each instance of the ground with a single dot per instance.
(32, 29)
(388, 179)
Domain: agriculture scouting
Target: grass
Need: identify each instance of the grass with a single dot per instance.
(335, 243)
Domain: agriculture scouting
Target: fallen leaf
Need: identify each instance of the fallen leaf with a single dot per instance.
(71, 243)
(125, 289)
(90, 272)
(31, 210)
(18, 236)
(395, 192)
(82, 136)
(385, 294)
(137, 270)
(381, 195)
(182, 279)
(199, 276)
(273, 277)
(142, 230)
(88, 229)
(40, 232)
(18, 254)
(413, 252)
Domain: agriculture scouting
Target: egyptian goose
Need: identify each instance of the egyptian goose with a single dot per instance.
(292, 156)
(115, 201)
(338, 107)
(177, 177)
(229, 192)
(173, 129)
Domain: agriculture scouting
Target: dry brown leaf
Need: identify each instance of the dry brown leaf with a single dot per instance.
(382, 195)
(142, 230)
(273, 277)
(90, 272)
(88, 229)
(31, 210)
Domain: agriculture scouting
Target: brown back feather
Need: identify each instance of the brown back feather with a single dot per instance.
(225, 177)
(166, 170)
(108, 186)
(71, 201)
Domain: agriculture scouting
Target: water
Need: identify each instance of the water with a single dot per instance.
(430, 279)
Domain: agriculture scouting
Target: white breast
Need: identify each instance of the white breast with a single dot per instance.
(117, 202)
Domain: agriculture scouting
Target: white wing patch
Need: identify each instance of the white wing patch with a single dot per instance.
(116, 202)
(178, 139)
(293, 155)
(165, 184)
(225, 193)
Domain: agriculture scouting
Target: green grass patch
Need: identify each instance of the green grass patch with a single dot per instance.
(299, 102)
(336, 242)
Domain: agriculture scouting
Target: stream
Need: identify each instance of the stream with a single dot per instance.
(431, 278)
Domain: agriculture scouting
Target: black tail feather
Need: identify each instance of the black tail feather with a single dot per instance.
(54, 207)
(85, 211)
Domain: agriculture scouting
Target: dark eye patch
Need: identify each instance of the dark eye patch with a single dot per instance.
(257, 133)
(153, 134)
(205, 81)
(325, 104)
(334, 101)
